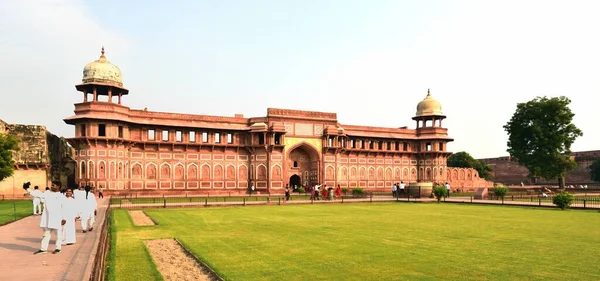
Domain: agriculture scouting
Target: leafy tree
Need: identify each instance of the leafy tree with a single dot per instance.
(595, 170)
(541, 133)
(465, 160)
(8, 144)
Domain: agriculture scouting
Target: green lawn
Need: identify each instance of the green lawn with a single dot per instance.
(385, 241)
(11, 210)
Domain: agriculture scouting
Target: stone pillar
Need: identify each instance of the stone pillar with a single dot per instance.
(120, 98)
(95, 93)
(110, 95)
(85, 96)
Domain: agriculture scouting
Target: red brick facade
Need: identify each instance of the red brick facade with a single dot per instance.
(120, 148)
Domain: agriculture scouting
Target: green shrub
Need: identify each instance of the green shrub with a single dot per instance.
(301, 189)
(359, 192)
(500, 190)
(345, 190)
(563, 199)
(439, 191)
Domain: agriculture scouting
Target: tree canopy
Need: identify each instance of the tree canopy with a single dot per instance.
(540, 135)
(465, 160)
(594, 170)
(8, 144)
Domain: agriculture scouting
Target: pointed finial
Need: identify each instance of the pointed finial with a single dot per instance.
(102, 52)
(428, 93)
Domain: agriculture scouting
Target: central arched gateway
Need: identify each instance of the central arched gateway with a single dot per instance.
(303, 161)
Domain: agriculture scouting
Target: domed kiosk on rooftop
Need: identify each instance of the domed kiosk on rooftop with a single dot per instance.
(429, 106)
(101, 77)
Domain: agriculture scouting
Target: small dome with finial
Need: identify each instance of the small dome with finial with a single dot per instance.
(103, 72)
(429, 106)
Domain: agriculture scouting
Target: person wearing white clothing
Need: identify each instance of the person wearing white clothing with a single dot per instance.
(36, 197)
(52, 218)
(79, 195)
(69, 214)
(88, 216)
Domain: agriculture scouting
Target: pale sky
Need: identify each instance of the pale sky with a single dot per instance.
(371, 62)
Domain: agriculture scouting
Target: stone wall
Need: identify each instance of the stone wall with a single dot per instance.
(510, 172)
(42, 157)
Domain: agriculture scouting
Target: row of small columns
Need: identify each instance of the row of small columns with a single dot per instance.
(421, 122)
(344, 142)
(95, 93)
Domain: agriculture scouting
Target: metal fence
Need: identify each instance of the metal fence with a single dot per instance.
(238, 200)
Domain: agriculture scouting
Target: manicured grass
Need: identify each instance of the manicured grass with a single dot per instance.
(385, 241)
(11, 210)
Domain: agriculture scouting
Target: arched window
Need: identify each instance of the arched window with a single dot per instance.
(295, 164)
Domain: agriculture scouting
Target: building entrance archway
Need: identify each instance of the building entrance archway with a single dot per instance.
(295, 181)
(303, 161)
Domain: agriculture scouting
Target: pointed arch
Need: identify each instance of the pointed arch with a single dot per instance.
(230, 172)
(112, 169)
(276, 172)
(218, 172)
(205, 173)
(91, 169)
(353, 173)
(179, 171)
(371, 174)
(405, 174)
(389, 174)
(363, 173)
(380, 173)
(151, 171)
(82, 170)
(413, 174)
(101, 169)
(329, 172)
(261, 172)
(435, 173)
(344, 173)
(243, 172)
(126, 169)
(428, 173)
(165, 171)
(120, 170)
(137, 171)
(192, 171)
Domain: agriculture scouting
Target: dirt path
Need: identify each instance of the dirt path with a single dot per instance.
(174, 263)
(140, 218)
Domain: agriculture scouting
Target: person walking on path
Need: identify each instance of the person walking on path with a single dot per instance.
(447, 190)
(52, 218)
(100, 192)
(69, 213)
(88, 216)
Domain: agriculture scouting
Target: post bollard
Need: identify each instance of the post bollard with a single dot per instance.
(244, 201)
(279, 199)
(164, 202)
(15, 209)
(584, 203)
(342, 199)
(205, 202)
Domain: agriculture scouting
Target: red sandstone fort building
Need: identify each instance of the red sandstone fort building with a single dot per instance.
(124, 149)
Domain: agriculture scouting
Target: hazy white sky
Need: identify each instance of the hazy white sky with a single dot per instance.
(369, 61)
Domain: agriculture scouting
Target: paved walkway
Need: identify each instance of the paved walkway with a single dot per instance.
(21, 238)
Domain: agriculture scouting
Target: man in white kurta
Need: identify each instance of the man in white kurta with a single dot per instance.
(52, 218)
(88, 216)
(70, 209)
(36, 197)
(79, 195)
